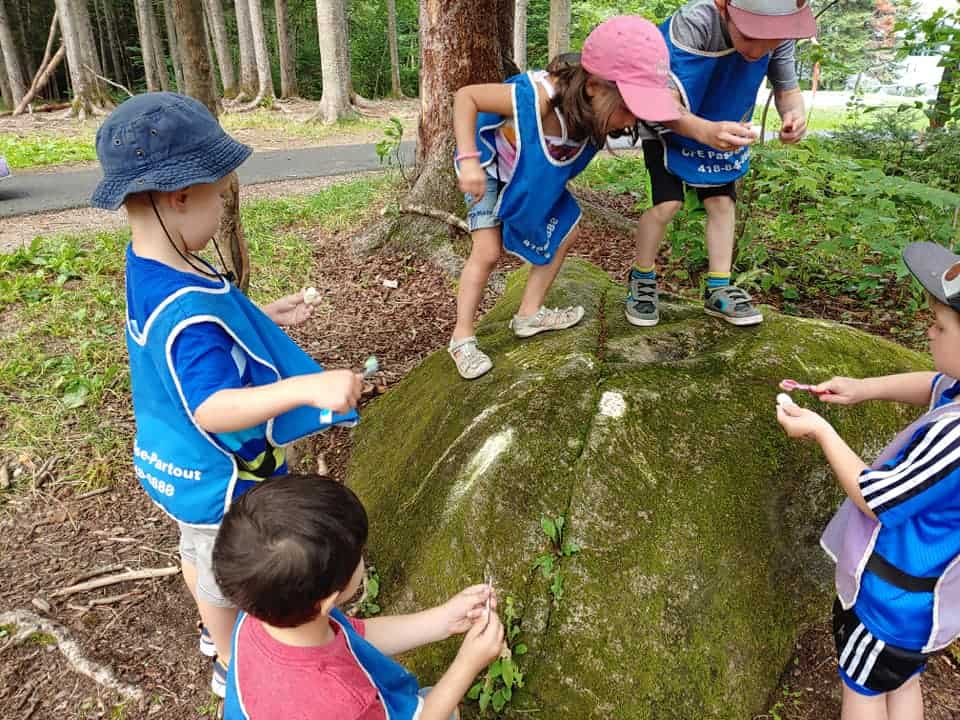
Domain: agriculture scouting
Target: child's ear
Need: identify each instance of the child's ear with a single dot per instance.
(327, 604)
(178, 199)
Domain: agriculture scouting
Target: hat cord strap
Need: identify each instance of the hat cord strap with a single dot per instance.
(190, 257)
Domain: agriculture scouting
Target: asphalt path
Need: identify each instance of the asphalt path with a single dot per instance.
(35, 192)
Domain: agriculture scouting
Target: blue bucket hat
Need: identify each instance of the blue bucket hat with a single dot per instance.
(161, 141)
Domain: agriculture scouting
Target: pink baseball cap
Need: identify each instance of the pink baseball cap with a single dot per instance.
(629, 51)
(773, 19)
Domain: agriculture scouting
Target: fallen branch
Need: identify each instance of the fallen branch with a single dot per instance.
(92, 493)
(28, 624)
(108, 81)
(106, 600)
(114, 579)
(430, 212)
(45, 69)
(96, 572)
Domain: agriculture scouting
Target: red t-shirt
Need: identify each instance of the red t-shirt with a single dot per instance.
(280, 682)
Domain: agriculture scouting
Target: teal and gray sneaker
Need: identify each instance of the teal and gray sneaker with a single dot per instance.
(733, 305)
(642, 301)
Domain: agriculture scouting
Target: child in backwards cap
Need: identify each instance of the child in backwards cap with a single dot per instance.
(896, 539)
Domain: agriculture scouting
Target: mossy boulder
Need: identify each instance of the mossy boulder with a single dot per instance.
(698, 519)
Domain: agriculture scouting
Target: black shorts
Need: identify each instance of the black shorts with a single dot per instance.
(868, 665)
(665, 186)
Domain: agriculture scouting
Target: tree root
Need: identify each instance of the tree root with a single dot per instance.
(27, 623)
(430, 212)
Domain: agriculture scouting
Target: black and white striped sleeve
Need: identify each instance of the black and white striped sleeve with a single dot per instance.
(924, 475)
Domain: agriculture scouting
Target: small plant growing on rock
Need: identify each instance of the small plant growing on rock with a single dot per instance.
(549, 562)
(504, 674)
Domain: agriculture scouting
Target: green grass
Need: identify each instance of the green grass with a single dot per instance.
(262, 119)
(39, 149)
(64, 385)
(834, 118)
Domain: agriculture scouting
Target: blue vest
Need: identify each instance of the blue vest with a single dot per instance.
(714, 86)
(398, 688)
(535, 208)
(181, 466)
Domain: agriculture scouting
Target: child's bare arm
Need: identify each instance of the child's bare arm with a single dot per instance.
(847, 465)
(469, 100)
(793, 115)
(399, 633)
(911, 388)
(241, 408)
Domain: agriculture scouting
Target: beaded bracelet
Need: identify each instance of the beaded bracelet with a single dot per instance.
(467, 156)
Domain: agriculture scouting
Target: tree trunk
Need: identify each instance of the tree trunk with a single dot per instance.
(22, 35)
(248, 57)
(288, 69)
(395, 89)
(452, 54)
(11, 57)
(103, 39)
(334, 62)
(558, 37)
(5, 91)
(83, 92)
(520, 34)
(199, 83)
(117, 52)
(161, 57)
(173, 44)
(265, 91)
(221, 44)
(147, 51)
(91, 57)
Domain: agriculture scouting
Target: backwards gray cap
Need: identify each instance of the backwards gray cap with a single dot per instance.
(937, 269)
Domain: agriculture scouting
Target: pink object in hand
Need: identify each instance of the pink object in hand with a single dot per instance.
(791, 385)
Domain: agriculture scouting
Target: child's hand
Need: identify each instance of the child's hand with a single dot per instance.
(793, 127)
(473, 179)
(336, 390)
(467, 607)
(289, 310)
(726, 135)
(800, 422)
(841, 391)
(482, 644)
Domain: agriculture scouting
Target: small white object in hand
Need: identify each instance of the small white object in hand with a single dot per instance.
(311, 296)
(783, 400)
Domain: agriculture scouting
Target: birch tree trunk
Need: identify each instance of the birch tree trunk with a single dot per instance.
(558, 36)
(199, 83)
(395, 89)
(11, 57)
(520, 34)
(248, 58)
(221, 44)
(147, 50)
(172, 43)
(265, 91)
(288, 69)
(334, 62)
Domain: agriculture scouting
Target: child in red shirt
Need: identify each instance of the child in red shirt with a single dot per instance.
(288, 553)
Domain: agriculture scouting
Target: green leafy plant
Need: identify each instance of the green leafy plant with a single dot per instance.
(548, 563)
(367, 606)
(504, 675)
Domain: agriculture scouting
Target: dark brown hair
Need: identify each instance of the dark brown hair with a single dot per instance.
(575, 104)
(288, 544)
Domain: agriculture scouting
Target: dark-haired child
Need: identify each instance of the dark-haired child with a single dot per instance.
(288, 553)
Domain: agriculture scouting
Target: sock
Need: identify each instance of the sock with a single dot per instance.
(644, 273)
(716, 280)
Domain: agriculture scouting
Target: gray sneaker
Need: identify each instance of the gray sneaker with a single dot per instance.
(642, 302)
(733, 305)
(470, 360)
(546, 319)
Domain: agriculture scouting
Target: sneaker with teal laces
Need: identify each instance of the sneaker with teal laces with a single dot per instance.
(642, 305)
(732, 304)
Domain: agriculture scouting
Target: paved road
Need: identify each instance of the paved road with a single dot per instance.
(34, 192)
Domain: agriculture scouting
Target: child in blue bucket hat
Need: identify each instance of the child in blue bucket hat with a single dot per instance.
(218, 388)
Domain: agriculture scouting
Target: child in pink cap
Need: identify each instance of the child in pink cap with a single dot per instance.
(518, 144)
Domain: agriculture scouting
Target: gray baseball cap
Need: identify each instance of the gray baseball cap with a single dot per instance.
(937, 269)
(773, 19)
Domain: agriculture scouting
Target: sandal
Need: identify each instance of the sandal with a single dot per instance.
(471, 362)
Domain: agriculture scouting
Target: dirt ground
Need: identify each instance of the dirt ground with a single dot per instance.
(140, 635)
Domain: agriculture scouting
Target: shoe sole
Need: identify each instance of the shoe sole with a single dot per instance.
(739, 322)
(640, 322)
(537, 331)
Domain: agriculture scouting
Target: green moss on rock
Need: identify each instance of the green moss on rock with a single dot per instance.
(697, 517)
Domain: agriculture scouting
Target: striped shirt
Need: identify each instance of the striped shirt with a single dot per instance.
(916, 497)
